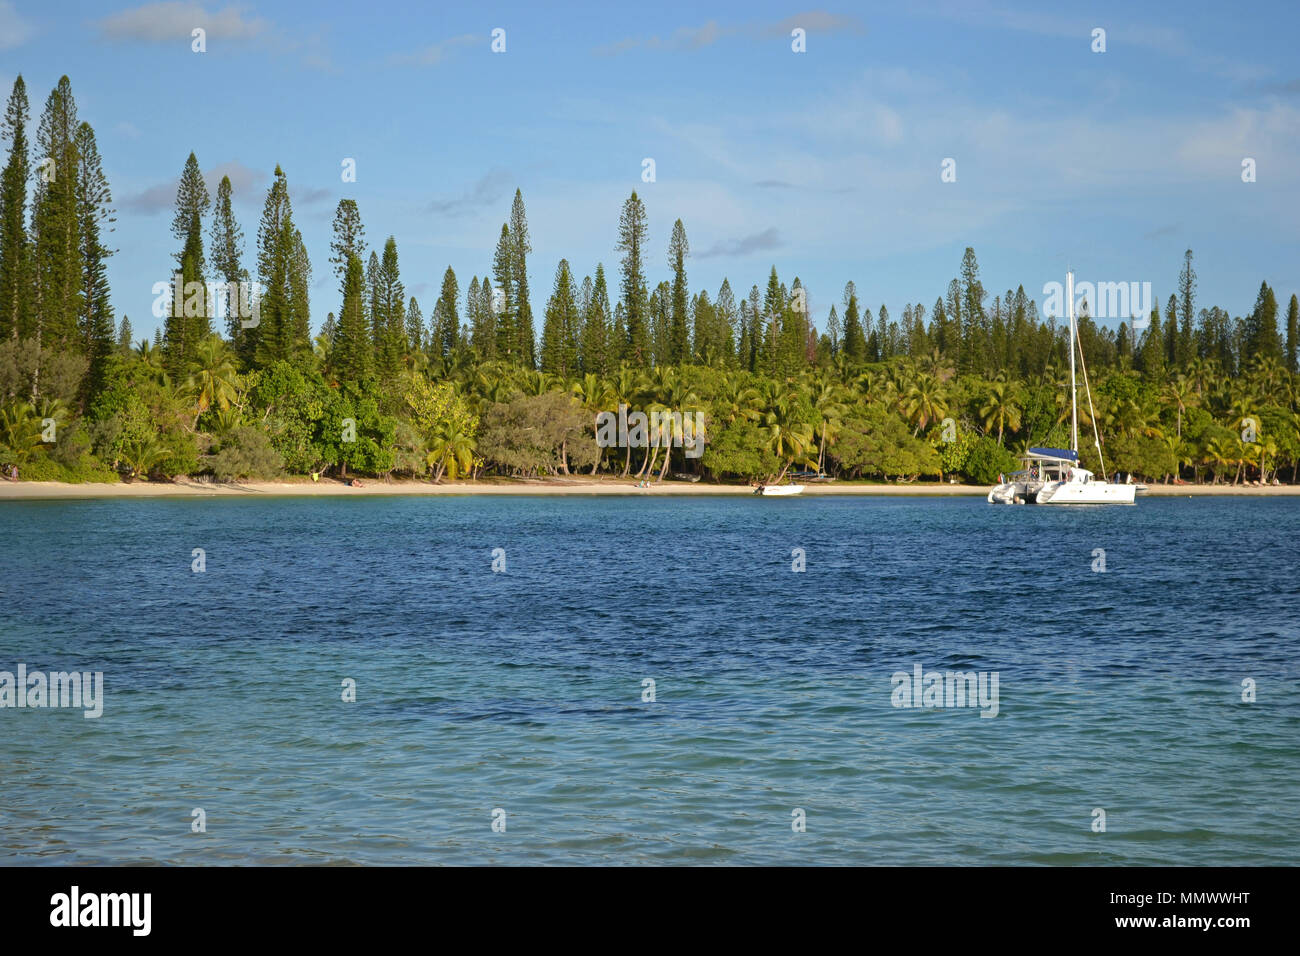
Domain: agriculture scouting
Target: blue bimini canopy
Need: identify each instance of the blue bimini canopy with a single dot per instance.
(1062, 454)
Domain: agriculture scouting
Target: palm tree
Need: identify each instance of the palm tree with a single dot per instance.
(786, 436)
(452, 451)
(936, 364)
(538, 382)
(826, 401)
(1267, 378)
(1180, 451)
(226, 420)
(593, 392)
(142, 455)
(1179, 391)
(736, 399)
(925, 402)
(154, 361)
(1219, 453)
(1002, 407)
(676, 396)
(213, 377)
(20, 432)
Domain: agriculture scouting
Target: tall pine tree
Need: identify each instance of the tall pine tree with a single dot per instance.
(634, 297)
(56, 243)
(15, 250)
(353, 351)
(446, 315)
(679, 348)
(188, 321)
(520, 245)
(94, 218)
(227, 249)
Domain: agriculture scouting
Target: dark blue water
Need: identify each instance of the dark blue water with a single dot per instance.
(522, 690)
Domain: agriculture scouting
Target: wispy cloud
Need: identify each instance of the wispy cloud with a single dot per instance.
(1290, 88)
(816, 21)
(491, 188)
(173, 22)
(174, 19)
(15, 30)
(1163, 231)
(694, 38)
(758, 242)
(436, 53)
(244, 184)
(304, 196)
(1163, 39)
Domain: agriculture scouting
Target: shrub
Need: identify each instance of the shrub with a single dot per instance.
(246, 453)
(987, 459)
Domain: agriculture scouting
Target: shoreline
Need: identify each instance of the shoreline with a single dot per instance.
(53, 490)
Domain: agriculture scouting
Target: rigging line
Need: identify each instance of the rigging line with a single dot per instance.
(1091, 412)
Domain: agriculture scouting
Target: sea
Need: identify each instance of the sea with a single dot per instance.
(634, 680)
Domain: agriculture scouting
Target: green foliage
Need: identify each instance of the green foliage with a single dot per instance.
(738, 450)
(986, 460)
(878, 444)
(532, 434)
(377, 392)
(952, 454)
(246, 453)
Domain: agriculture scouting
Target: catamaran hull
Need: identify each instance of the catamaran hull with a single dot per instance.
(1063, 493)
(1087, 493)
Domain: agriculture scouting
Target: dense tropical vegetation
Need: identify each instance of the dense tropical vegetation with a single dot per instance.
(954, 390)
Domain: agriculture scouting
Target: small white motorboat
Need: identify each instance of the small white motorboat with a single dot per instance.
(778, 490)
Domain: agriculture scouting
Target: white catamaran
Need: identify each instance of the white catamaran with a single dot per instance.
(1052, 476)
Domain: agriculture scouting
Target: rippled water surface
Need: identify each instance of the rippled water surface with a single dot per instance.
(522, 690)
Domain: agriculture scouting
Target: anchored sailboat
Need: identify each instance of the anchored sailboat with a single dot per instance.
(1052, 476)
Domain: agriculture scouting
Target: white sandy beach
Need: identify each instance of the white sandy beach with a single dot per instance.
(32, 490)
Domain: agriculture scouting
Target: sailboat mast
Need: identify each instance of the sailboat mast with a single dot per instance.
(1074, 404)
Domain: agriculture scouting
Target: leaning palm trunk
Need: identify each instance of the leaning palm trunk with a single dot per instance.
(648, 465)
(668, 456)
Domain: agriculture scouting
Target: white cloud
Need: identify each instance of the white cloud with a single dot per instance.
(244, 183)
(174, 19)
(694, 38)
(15, 30)
(436, 53)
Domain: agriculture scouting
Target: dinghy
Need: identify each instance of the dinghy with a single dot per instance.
(778, 490)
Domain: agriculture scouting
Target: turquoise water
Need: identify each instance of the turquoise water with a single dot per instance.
(522, 690)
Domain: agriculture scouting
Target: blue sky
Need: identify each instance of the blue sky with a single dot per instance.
(825, 163)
